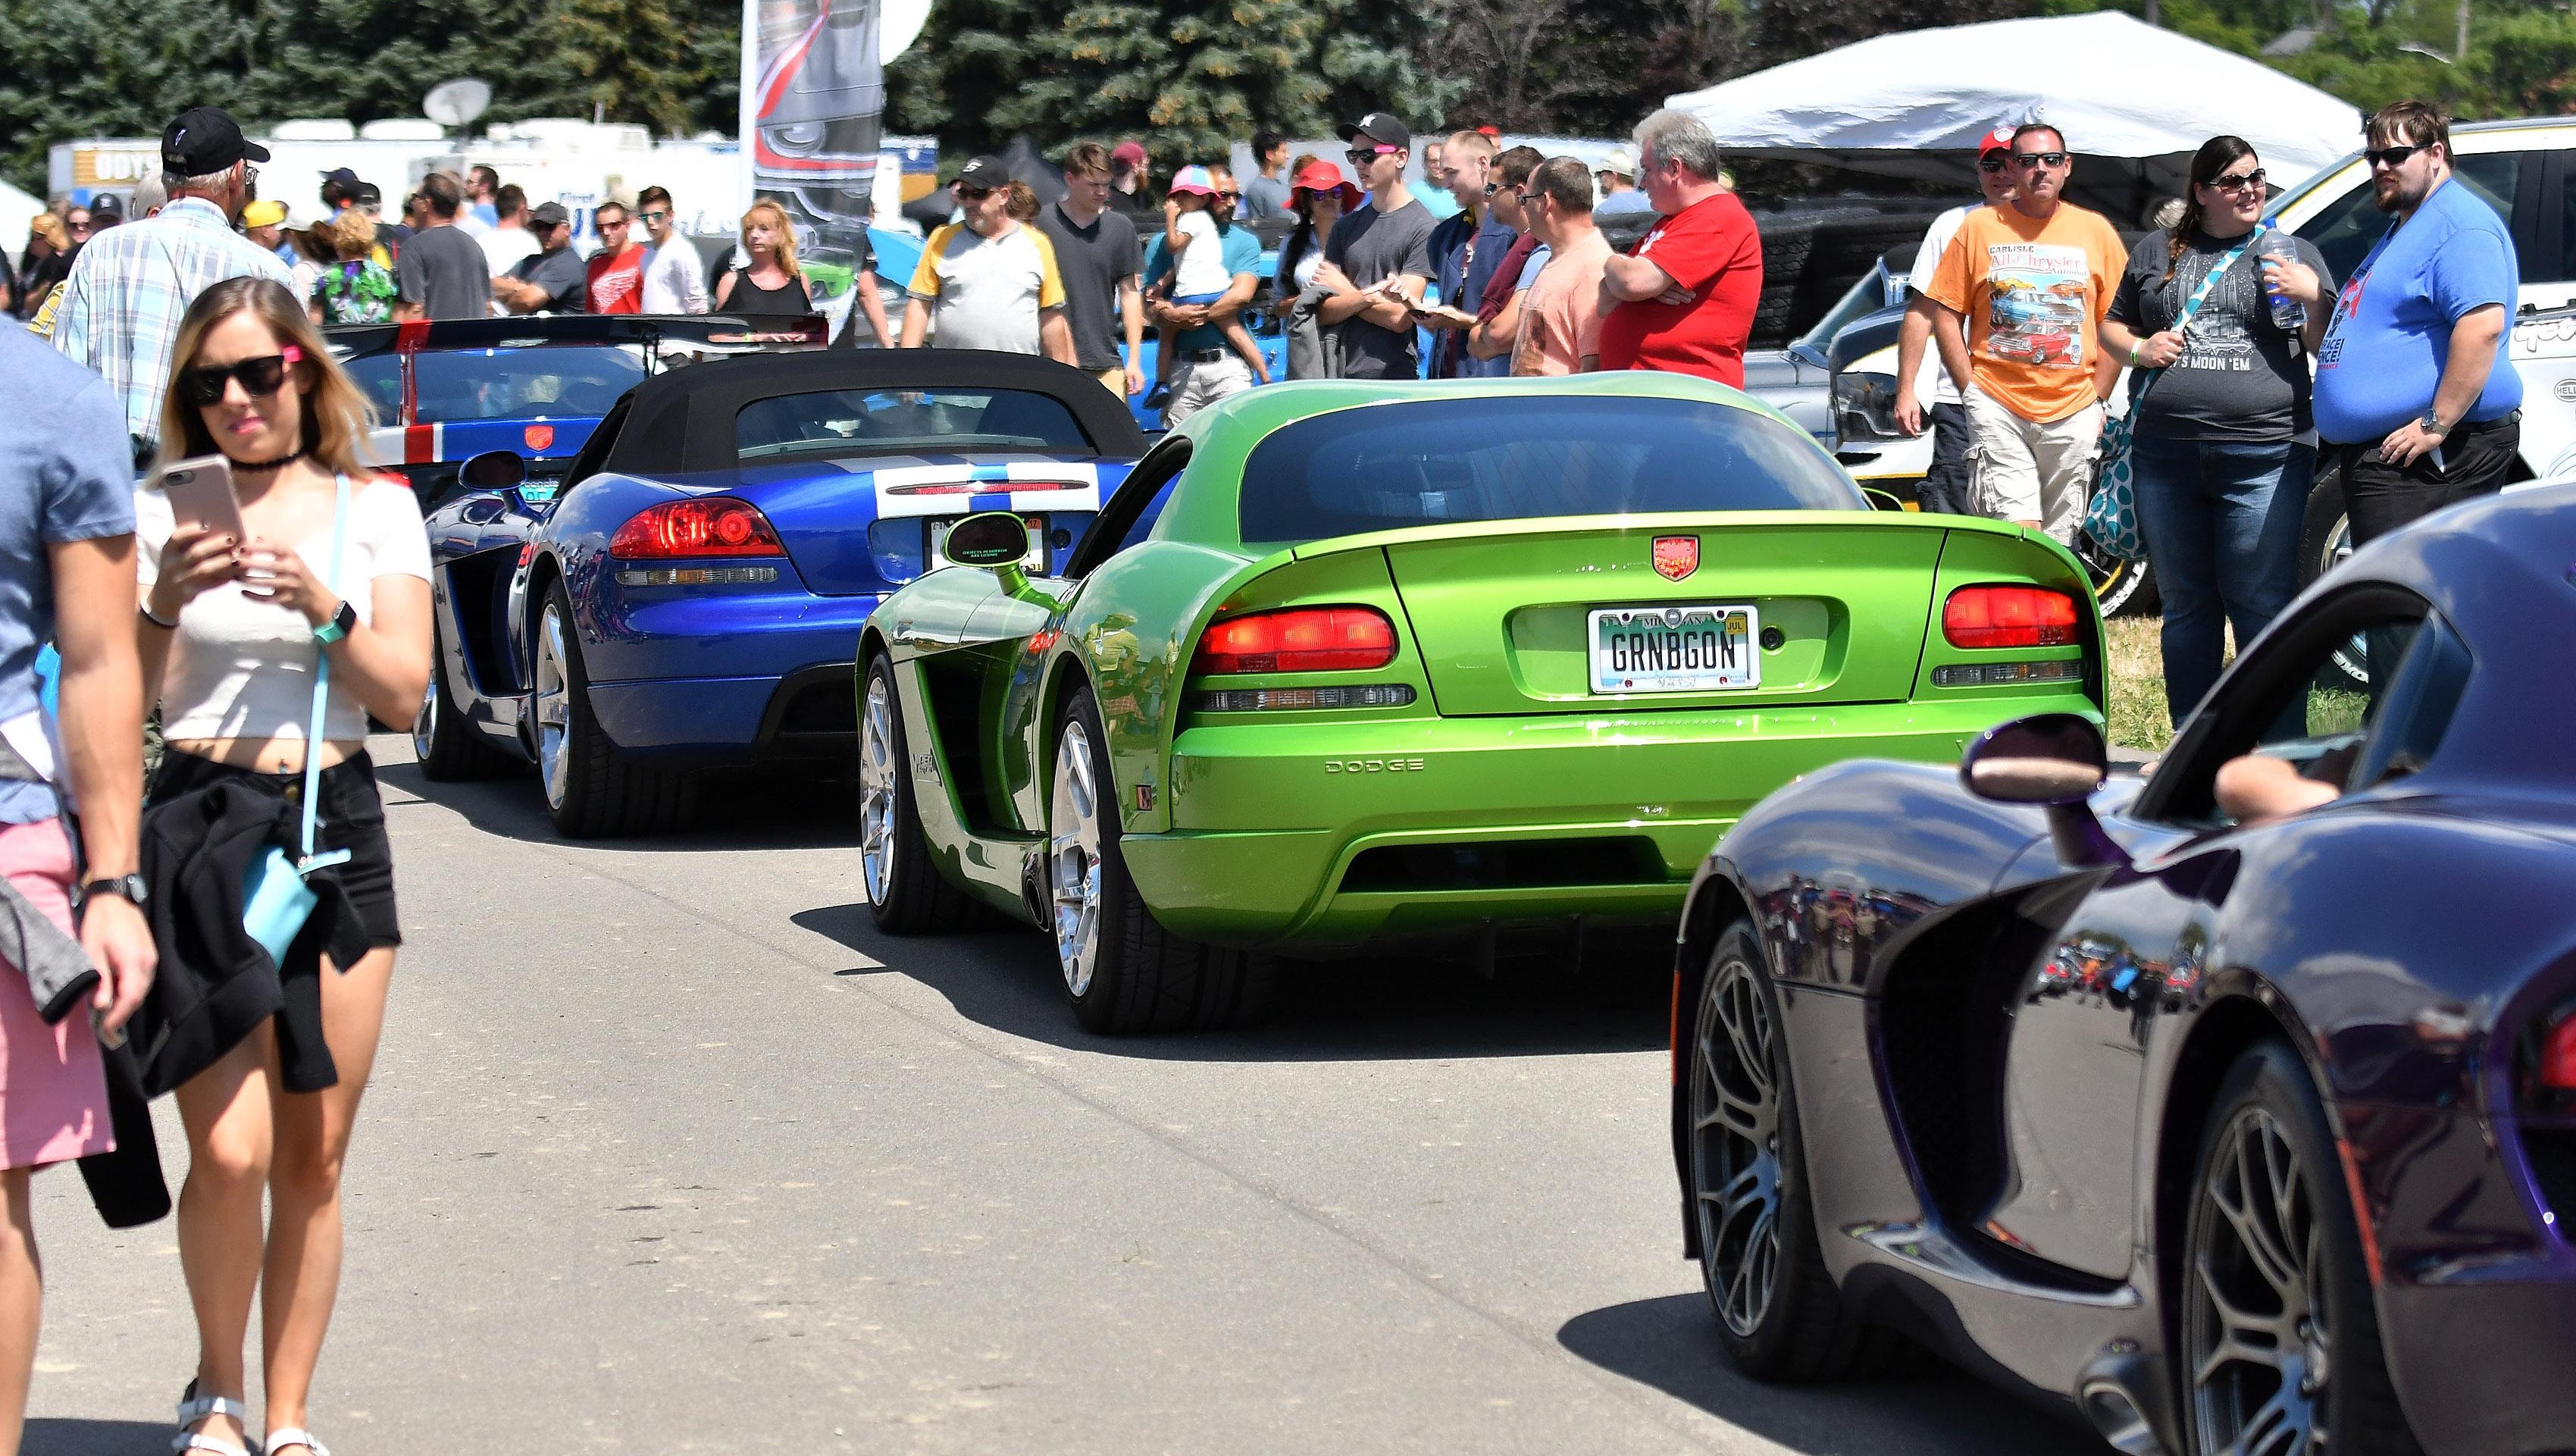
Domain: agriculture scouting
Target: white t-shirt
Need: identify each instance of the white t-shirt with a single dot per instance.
(674, 280)
(1932, 383)
(243, 668)
(1202, 266)
(505, 246)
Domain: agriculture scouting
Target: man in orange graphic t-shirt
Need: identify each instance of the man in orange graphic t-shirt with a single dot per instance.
(2030, 280)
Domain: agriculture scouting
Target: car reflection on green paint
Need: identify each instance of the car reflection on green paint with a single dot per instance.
(1347, 667)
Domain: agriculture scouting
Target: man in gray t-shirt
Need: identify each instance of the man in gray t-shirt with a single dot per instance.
(442, 272)
(1379, 258)
(1097, 255)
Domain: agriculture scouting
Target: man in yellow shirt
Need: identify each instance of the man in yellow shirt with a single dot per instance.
(989, 282)
(2030, 281)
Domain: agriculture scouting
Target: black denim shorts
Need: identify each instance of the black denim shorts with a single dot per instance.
(352, 818)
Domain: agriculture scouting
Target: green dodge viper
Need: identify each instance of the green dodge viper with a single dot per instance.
(1351, 666)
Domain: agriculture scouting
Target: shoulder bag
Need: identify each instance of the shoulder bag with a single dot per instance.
(2111, 516)
(275, 900)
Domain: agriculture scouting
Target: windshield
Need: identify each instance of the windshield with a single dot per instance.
(1514, 457)
(503, 384)
(854, 421)
(1868, 294)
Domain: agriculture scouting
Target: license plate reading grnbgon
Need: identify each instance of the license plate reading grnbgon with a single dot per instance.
(1675, 649)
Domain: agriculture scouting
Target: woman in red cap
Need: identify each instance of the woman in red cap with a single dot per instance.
(1318, 196)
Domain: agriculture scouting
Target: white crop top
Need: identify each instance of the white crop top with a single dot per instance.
(243, 668)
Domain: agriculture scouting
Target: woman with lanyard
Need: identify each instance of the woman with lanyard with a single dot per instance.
(770, 285)
(230, 635)
(2224, 448)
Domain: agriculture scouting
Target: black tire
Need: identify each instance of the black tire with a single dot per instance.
(1142, 977)
(2326, 537)
(1797, 1328)
(448, 748)
(602, 794)
(2268, 1123)
(913, 897)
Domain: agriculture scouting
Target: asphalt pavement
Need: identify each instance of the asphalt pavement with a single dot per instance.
(668, 1150)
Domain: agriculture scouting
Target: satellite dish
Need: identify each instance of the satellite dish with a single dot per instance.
(457, 102)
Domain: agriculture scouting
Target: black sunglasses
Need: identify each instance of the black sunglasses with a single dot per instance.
(1993, 164)
(2039, 159)
(975, 194)
(2393, 156)
(2238, 182)
(1362, 156)
(260, 377)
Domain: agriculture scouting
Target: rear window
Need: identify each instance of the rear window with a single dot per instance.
(503, 384)
(855, 421)
(1514, 457)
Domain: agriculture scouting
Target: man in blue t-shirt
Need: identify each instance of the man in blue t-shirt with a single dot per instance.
(1209, 369)
(2416, 398)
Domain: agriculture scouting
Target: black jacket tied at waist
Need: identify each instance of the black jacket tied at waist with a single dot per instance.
(216, 985)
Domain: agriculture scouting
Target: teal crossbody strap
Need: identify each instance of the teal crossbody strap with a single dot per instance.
(322, 680)
(2182, 320)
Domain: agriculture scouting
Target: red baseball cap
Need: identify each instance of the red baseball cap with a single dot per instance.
(1998, 140)
(1322, 176)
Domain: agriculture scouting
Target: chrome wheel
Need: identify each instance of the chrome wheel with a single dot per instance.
(2255, 1331)
(1073, 859)
(1735, 1146)
(553, 708)
(424, 724)
(877, 770)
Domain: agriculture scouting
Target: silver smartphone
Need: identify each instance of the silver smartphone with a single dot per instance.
(201, 494)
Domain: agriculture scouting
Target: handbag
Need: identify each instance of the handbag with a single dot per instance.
(2111, 516)
(275, 900)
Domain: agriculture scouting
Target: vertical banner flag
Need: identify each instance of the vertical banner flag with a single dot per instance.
(813, 93)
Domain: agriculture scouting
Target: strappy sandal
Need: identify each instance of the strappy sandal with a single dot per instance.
(194, 1408)
(294, 1436)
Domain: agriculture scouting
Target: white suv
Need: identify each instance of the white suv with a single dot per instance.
(2525, 170)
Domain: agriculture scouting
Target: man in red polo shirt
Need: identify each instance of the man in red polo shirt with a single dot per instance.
(616, 271)
(1683, 300)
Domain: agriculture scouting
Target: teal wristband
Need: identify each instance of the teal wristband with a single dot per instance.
(339, 625)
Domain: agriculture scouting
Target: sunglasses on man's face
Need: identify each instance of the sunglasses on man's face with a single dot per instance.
(260, 377)
(652, 217)
(2039, 159)
(1993, 164)
(2392, 156)
(975, 194)
(1362, 156)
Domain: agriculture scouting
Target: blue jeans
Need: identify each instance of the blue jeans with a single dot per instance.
(2222, 521)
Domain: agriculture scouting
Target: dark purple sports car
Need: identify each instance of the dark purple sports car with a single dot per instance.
(2237, 1135)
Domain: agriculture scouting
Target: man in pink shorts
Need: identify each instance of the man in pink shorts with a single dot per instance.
(66, 576)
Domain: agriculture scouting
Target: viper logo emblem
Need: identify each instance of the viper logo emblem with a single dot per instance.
(1676, 556)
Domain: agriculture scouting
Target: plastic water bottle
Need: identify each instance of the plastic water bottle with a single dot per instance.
(2288, 313)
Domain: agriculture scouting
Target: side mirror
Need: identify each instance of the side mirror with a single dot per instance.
(991, 538)
(492, 470)
(2053, 759)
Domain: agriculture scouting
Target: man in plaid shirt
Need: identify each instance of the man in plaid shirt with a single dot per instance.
(129, 288)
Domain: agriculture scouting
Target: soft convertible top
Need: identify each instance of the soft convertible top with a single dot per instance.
(683, 421)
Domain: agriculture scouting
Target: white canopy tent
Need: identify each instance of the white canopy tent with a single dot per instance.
(17, 210)
(2132, 100)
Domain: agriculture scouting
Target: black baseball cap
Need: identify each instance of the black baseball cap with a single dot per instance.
(340, 183)
(1380, 128)
(368, 194)
(985, 174)
(205, 139)
(106, 204)
(549, 214)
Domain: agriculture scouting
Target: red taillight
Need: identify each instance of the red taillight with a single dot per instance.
(2557, 1069)
(1299, 639)
(2008, 616)
(710, 526)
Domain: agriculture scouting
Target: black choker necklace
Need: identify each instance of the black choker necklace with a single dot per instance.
(283, 460)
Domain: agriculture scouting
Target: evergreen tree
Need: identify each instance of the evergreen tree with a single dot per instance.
(1187, 76)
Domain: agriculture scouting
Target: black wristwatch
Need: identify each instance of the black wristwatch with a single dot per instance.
(129, 888)
(341, 624)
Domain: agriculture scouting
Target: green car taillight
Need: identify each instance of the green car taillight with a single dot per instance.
(1298, 639)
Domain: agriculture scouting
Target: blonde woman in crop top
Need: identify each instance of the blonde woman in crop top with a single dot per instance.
(229, 633)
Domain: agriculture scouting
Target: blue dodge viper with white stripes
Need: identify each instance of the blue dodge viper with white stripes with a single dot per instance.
(688, 601)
